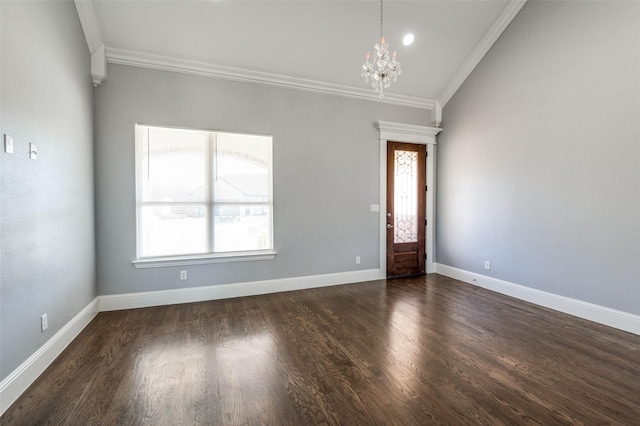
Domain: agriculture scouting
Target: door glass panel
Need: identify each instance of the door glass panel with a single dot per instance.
(405, 197)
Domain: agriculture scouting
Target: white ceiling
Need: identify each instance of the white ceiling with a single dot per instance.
(309, 43)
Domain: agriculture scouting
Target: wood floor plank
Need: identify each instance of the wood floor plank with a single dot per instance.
(410, 351)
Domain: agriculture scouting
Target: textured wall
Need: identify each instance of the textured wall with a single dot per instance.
(539, 160)
(326, 173)
(47, 239)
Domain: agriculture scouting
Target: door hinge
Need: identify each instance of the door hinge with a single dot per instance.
(425, 256)
(426, 188)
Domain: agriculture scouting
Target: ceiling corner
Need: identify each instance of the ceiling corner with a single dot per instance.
(481, 49)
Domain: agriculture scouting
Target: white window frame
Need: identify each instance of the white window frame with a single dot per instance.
(200, 258)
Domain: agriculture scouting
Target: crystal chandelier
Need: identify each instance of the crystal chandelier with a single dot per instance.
(384, 69)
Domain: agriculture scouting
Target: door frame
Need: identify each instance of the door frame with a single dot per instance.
(419, 135)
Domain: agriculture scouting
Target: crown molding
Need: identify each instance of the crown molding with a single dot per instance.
(89, 23)
(164, 63)
(480, 50)
(407, 132)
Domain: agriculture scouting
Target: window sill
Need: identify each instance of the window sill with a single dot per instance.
(159, 262)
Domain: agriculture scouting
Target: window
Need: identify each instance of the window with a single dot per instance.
(202, 195)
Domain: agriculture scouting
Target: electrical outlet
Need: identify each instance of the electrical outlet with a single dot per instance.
(183, 275)
(44, 322)
(357, 260)
(487, 265)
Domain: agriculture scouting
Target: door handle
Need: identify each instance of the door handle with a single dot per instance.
(389, 226)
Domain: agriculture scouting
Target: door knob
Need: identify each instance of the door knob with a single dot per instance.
(388, 214)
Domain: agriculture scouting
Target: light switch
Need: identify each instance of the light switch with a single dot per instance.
(375, 208)
(8, 144)
(33, 151)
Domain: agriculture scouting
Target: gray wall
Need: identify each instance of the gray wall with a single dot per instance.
(539, 160)
(47, 255)
(326, 173)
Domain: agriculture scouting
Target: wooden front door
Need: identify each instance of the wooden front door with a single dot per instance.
(406, 208)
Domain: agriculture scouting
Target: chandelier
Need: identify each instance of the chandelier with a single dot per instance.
(384, 69)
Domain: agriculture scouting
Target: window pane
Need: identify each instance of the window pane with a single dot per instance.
(173, 165)
(406, 197)
(242, 168)
(172, 230)
(179, 172)
(241, 227)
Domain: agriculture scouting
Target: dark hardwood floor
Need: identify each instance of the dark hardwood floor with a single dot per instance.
(415, 351)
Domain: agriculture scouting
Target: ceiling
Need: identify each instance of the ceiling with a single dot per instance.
(312, 45)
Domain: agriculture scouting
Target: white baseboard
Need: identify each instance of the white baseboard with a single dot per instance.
(589, 311)
(22, 377)
(226, 291)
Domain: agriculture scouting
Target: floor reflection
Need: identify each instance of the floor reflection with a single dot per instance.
(179, 377)
(404, 342)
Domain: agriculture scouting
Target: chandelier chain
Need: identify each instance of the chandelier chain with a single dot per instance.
(381, 32)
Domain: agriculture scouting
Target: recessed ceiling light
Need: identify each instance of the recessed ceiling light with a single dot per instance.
(407, 40)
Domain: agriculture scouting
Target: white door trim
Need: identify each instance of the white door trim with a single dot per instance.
(408, 133)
